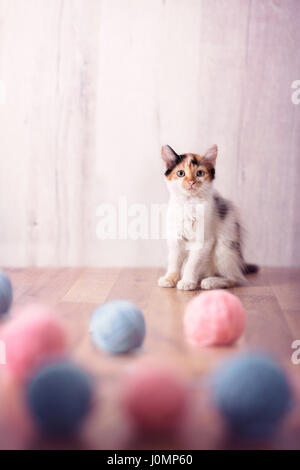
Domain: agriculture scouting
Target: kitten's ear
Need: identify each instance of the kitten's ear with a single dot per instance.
(211, 154)
(168, 155)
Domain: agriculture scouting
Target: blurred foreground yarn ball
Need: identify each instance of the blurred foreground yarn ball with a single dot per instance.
(59, 398)
(117, 327)
(155, 397)
(33, 336)
(6, 293)
(214, 318)
(252, 393)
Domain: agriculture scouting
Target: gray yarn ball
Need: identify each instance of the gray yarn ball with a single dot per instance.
(59, 397)
(117, 327)
(6, 293)
(253, 394)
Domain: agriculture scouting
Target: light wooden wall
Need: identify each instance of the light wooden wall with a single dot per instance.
(94, 87)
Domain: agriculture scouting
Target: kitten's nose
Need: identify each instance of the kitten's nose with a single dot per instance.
(191, 182)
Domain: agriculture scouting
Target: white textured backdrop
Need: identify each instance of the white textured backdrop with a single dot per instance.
(90, 89)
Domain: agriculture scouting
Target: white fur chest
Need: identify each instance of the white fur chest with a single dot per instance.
(185, 220)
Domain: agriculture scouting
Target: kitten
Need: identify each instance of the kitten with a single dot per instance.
(204, 232)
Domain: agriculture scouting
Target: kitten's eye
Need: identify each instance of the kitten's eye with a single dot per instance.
(180, 173)
(200, 173)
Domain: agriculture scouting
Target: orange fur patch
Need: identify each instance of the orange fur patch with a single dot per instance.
(173, 278)
(190, 169)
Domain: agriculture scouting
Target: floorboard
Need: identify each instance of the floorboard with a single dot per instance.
(271, 300)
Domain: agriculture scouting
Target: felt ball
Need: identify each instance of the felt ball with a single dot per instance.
(34, 336)
(154, 397)
(214, 318)
(6, 293)
(253, 394)
(117, 327)
(59, 397)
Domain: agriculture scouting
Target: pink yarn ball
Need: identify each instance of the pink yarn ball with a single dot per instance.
(214, 318)
(155, 397)
(34, 336)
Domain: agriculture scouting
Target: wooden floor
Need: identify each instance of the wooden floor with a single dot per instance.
(272, 302)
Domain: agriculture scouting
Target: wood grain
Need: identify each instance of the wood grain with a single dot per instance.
(270, 300)
(95, 87)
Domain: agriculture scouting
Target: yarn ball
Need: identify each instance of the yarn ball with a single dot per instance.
(34, 336)
(214, 318)
(59, 397)
(154, 397)
(253, 394)
(117, 327)
(6, 293)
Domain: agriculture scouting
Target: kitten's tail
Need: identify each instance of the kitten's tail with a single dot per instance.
(250, 268)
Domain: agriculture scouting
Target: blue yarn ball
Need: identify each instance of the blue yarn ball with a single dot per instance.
(118, 327)
(59, 397)
(6, 293)
(252, 393)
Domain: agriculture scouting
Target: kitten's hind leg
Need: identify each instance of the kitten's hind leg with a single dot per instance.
(228, 259)
(216, 282)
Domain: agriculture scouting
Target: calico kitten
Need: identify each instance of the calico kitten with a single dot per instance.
(214, 259)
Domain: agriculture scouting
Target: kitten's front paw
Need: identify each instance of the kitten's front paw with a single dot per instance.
(170, 280)
(186, 285)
